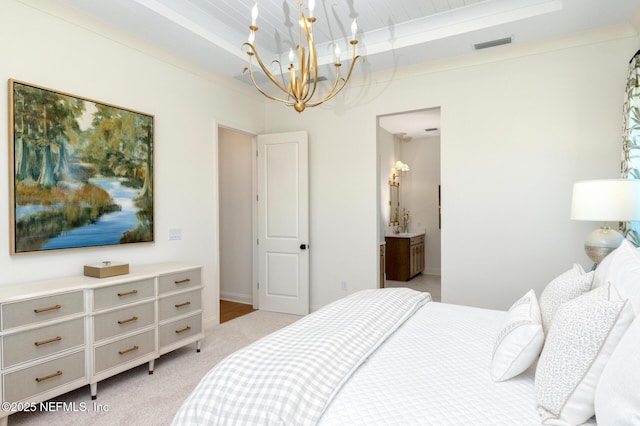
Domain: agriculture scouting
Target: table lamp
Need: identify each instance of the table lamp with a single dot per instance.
(607, 200)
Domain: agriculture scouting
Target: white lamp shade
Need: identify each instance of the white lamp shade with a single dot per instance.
(403, 167)
(608, 200)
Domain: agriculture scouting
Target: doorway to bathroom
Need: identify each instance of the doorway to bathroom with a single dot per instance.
(410, 195)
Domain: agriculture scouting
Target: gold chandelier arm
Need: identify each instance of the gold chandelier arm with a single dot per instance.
(255, 84)
(281, 72)
(333, 92)
(304, 73)
(292, 82)
(311, 63)
(273, 98)
(264, 69)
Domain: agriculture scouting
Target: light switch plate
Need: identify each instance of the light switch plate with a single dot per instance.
(175, 234)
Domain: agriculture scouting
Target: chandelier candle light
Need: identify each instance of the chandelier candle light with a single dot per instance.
(303, 80)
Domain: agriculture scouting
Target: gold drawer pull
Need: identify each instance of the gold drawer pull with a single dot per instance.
(180, 305)
(128, 293)
(187, 328)
(50, 376)
(127, 320)
(126, 351)
(44, 342)
(50, 308)
(186, 280)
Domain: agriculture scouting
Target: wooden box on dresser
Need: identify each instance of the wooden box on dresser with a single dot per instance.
(59, 335)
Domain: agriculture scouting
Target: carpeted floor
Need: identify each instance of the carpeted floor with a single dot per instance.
(137, 398)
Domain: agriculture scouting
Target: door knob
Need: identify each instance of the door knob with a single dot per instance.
(303, 246)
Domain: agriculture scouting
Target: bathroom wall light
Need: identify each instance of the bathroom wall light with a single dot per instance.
(401, 167)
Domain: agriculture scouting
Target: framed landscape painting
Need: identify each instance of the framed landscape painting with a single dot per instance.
(81, 172)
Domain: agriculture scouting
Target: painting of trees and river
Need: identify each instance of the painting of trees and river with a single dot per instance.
(82, 172)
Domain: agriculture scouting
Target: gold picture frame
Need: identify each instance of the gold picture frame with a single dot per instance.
(81, 172)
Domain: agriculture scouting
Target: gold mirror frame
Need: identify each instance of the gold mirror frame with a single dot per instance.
(394, 203)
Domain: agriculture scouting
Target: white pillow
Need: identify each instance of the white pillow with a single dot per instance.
(602, 270)
(566, 286)
(584, 334)
(519, 339)
(617, 399)
(621, 268)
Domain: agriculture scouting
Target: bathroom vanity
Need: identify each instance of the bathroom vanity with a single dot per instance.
(404, 257)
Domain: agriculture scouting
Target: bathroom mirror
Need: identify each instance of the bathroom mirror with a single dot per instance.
(394, 203)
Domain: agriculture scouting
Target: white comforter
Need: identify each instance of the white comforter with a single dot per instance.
(433, 370)
(289, 377)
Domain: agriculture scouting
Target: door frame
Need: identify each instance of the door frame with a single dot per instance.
(254, 221)
(254, 207)
(380, 173)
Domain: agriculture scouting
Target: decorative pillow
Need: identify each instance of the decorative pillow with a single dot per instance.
(519, 340)
(584, 334)
(561, 289)
(602, 270)
(617, 399)
(621, 268)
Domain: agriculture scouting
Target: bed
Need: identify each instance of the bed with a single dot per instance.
(393, 356)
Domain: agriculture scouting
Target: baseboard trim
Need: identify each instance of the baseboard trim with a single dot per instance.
(237, 297)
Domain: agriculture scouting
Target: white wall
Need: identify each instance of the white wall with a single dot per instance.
(236, 206)
(46, 44)
(419, 189)
(520, 124)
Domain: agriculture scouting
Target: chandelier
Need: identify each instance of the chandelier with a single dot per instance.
(303, 78)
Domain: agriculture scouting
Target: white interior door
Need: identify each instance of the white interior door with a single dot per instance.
(283, 222)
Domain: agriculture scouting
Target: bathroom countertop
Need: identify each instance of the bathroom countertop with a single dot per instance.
(406, 234)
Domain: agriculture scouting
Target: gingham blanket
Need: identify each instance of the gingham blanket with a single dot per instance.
(291, 376)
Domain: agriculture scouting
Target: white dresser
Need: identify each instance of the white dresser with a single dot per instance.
(179, 310)
(58, 335)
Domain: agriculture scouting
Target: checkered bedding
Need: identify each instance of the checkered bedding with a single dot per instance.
(291, 376)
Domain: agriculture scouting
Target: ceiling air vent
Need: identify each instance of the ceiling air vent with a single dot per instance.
(431, 129)
(492, 43)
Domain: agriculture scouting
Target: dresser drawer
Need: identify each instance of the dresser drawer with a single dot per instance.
(179, 304)
(106, 297)
(31, 311)
(179, 281)
(180, 329)
(125, 350)
(33, 344)
(40, 378)
(123, 320)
